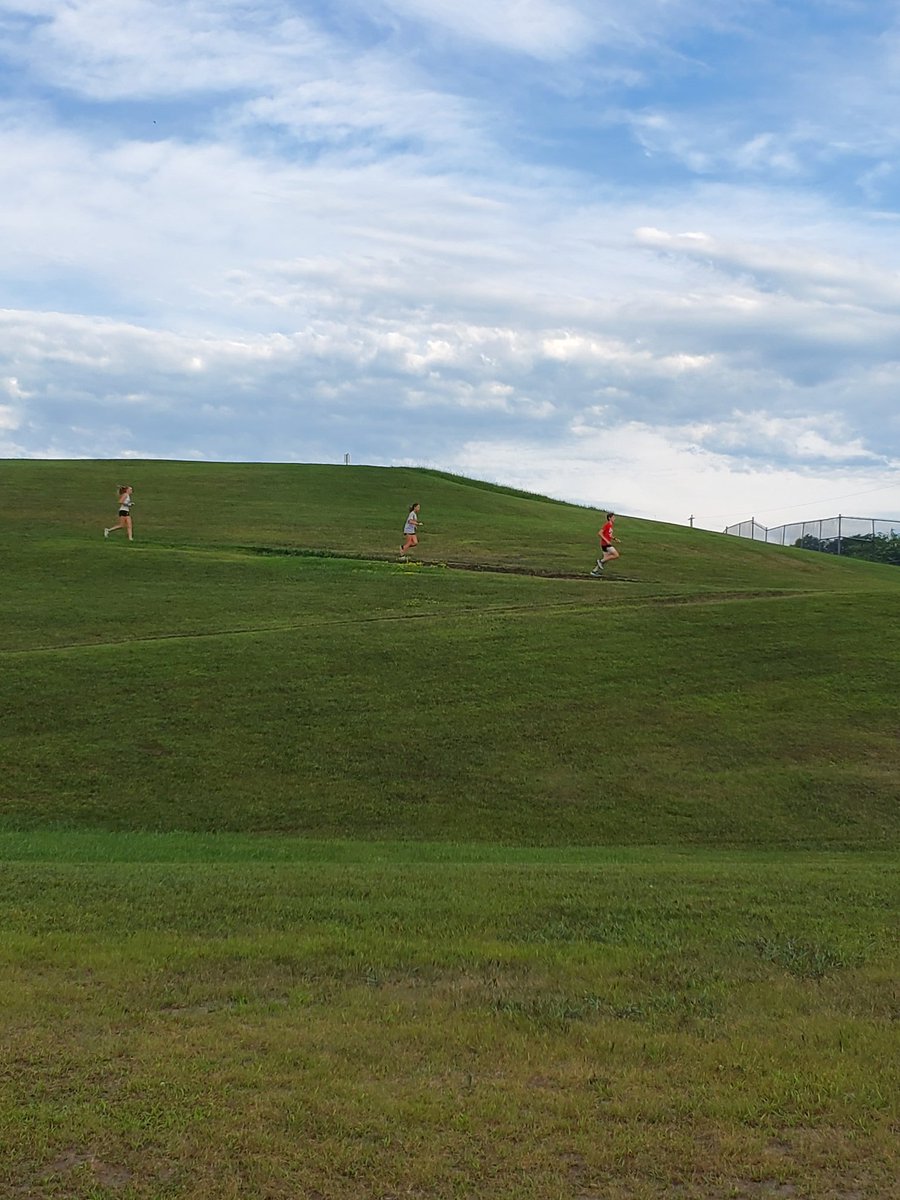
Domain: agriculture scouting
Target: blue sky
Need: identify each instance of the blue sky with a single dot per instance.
(640, 254)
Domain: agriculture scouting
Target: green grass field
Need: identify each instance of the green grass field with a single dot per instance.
(326, 876)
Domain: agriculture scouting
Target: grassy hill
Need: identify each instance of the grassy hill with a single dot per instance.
(360, 511)
(218, 674)
(327, 877)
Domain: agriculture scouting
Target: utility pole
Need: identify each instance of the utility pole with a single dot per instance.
(691, 520)
(347, 460)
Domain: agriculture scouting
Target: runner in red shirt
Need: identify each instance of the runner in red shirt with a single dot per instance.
(607, 549)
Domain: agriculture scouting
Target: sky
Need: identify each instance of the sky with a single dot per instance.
(638, 254)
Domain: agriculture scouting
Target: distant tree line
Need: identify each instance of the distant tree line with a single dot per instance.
(876, 547)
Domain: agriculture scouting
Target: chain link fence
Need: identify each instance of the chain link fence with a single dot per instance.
(829, 533)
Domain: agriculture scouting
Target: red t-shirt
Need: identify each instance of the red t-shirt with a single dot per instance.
(606, 533)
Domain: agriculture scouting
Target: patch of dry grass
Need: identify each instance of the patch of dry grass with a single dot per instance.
(449, 1029)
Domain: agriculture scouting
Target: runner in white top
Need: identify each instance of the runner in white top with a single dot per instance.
(410, 529)
(126, 499)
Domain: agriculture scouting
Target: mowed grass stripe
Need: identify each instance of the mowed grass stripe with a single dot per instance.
(538, 609)
(675, 724)
(89, 846)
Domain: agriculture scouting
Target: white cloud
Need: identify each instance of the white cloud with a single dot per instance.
(824, 437)
(559, 29)
(156, 48)
(802, 269)
(364, 106)
(10, 417)
(542, 28)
